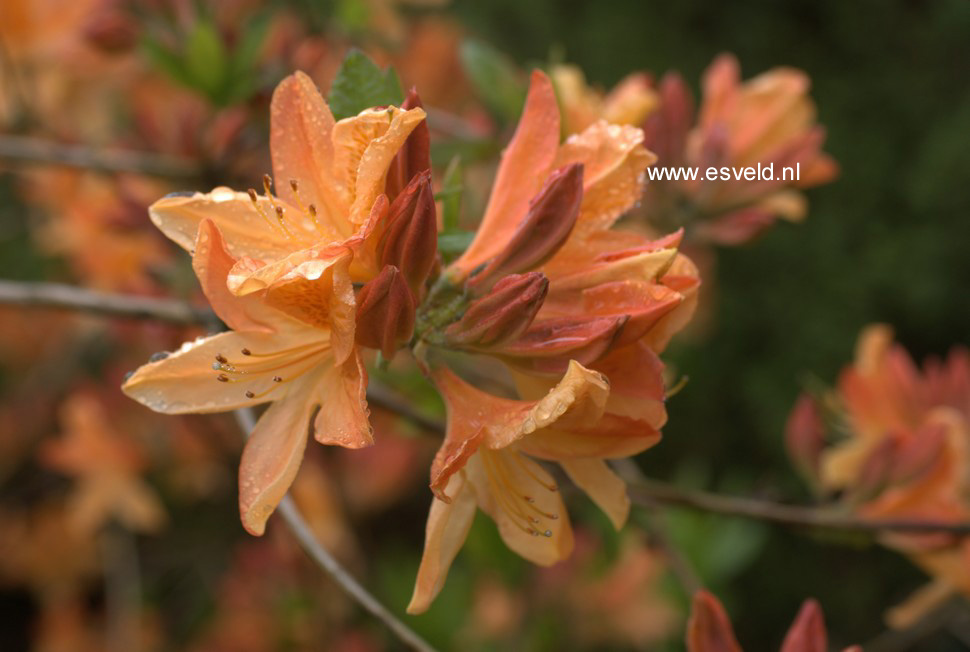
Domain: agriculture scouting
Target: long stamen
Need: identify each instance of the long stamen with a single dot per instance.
(503, 499)
(310, 210)
(254, 198)
(504, 488)
(532, 474)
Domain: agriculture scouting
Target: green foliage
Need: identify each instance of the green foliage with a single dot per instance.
(204, 62)
(497, 79)
(361, 84)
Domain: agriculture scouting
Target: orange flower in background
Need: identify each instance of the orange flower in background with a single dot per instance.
(767, 120)
(107, 466)
(710, 630)
(576, 312)
(899, 449)
(627, 103)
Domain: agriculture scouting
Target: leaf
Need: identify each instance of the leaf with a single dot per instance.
(450, 195)
(206, 61)
(360, 84)
(496, 78)
(451, 245)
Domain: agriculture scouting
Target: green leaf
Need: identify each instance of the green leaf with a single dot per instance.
(496, 78)
(451, 245)
(360, 84)
(206, 61)
(450, 195)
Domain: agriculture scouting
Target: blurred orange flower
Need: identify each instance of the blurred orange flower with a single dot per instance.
(899, 450)
(709, 629)
(627, 103)
(767, 120)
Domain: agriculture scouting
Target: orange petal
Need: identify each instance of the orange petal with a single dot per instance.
(709, 628)
(300, 130)
(364, 147)
(212, 263)
(343, 417)
(448, 526)
(602, 485)
(478, 418)
(525, 161)
(523, 500)
(247, 232)
(272, 457)
(613, 436)
(807, 633)
(185, 381)
(636, 384)
(614, 161)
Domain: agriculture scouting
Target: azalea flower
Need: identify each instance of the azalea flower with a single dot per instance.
(107, 467)
(627, 103)
(767, 120)
(279, 271)
(892, 441)
(710, 630)
(576, 313)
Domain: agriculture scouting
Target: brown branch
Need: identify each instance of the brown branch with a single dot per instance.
(24, 149)
(55, 295)
(651, 493)
(294, 520)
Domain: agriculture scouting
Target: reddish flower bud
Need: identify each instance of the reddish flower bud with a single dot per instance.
(385, 312)
(503, 314)
(807, 633)
(709, 627)
(410, 241)
(805, 436)
(549, 221)
(549, 345)
(111, 30)
(414, 156)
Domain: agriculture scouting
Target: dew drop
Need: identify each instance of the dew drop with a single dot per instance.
(160, 355)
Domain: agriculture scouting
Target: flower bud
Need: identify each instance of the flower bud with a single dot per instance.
(410, 241)
(414, 157)
(549, 345)
(805, 436)
(385, 312)
(501, 315)
(549, 221)
(111, 30)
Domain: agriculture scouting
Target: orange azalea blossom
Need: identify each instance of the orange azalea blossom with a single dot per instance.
(107, 466)
(576, 313)
(279, 271)
(769, 119)
(710, 630)
(628, 103)
(898, 450)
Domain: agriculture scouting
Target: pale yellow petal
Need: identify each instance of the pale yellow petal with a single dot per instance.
(448, 526)
(272, 457)
(602, 485)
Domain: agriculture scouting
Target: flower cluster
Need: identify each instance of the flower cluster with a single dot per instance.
(337, 257)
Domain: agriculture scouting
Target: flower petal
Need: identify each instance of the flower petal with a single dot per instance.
(247, 231)
(709, 628)
(448, 526)
(523, 500)
(364, 147)
(212, 263)
(272, 457)
(613, 436)
(525, 161)
(186, 381)
(614, 161)
(602, 485)
(342, 394)
(301, 126)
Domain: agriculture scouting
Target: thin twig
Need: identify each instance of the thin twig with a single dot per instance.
(55, 295)
(329, 564)
(651, 493)
(24, 149)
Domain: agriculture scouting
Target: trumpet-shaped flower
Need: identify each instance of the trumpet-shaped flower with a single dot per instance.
(577, 313)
